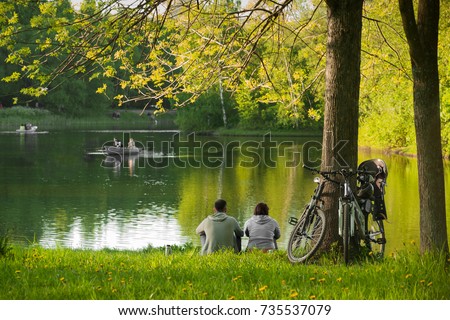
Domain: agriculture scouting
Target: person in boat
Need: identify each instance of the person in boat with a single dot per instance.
(117, 143)
(28, 126)
(219, 231)
(131, 143)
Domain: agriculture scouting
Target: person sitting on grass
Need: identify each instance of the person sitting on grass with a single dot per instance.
(262, 230)
(219, 231)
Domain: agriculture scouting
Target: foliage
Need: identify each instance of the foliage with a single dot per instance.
(205, 113)
(39, 273)
(136, 57)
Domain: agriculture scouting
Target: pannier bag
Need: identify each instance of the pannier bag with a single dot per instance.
(372, 185)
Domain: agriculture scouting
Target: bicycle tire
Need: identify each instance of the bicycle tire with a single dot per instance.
(346, 231)
(376, 240)
(306, 239)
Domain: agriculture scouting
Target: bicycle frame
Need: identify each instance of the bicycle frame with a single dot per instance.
(357, 217)
(313, 203)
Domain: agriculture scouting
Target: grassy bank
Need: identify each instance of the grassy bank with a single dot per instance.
(37, 273)
(11, 118)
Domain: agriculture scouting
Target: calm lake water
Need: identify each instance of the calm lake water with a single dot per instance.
(56, 188)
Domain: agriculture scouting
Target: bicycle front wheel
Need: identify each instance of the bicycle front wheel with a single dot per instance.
(346, 231)
(307, 236)
(375, 238)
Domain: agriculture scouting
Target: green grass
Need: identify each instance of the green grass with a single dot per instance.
(38, 273)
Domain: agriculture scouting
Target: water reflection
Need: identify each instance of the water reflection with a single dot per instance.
(118, 163)
(150, 224)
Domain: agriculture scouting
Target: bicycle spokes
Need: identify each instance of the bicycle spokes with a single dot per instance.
(306, 237)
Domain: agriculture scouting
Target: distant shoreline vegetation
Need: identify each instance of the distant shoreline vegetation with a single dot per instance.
(12, 117)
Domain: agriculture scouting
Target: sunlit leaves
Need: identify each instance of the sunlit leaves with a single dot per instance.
(13, 77)
(18, 56)
(102, 89)
(109, 72)
(35, 92)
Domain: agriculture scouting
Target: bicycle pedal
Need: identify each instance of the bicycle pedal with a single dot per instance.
(293, 221)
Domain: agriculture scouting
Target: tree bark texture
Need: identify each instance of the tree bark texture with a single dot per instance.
(422, 39)
(340, 134)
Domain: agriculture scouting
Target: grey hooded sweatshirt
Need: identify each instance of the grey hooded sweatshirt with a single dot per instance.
(262, 231)
(221, 232)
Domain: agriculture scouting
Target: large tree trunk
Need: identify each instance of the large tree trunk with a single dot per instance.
(423, 42)
(340, 134)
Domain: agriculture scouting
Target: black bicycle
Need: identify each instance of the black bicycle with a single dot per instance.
(360, 217)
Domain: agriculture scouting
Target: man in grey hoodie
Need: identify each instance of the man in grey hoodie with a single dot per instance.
(219, 231)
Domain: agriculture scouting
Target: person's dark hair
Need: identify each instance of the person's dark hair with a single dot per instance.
(220, 205)
(261, 209)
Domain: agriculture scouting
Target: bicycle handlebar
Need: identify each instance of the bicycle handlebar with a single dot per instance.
(343, 172)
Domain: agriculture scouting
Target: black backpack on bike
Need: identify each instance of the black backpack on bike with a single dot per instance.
(371, 185)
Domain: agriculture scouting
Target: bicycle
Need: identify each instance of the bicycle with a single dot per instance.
(359, 219)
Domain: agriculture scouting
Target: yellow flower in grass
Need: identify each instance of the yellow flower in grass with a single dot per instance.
(339, 279)
(429, 284)
(293, 294)
(263, 288)
(236, 278)
(231, 298)
(312, 297)
(61, 279)
(422, 281)
(322, 280)
(409, 275)
(312, 279)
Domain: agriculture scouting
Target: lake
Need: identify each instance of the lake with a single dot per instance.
(59, 190)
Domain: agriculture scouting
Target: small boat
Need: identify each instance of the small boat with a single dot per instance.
(122, 151)
(27, 128)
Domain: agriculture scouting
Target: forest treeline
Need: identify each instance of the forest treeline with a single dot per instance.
(280, 86)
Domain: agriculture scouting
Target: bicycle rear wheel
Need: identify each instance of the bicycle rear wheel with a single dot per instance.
(375, 238)
(307, 236)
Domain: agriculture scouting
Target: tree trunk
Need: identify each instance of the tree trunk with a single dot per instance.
(423, 42)
(340, 133)
(222, 103)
